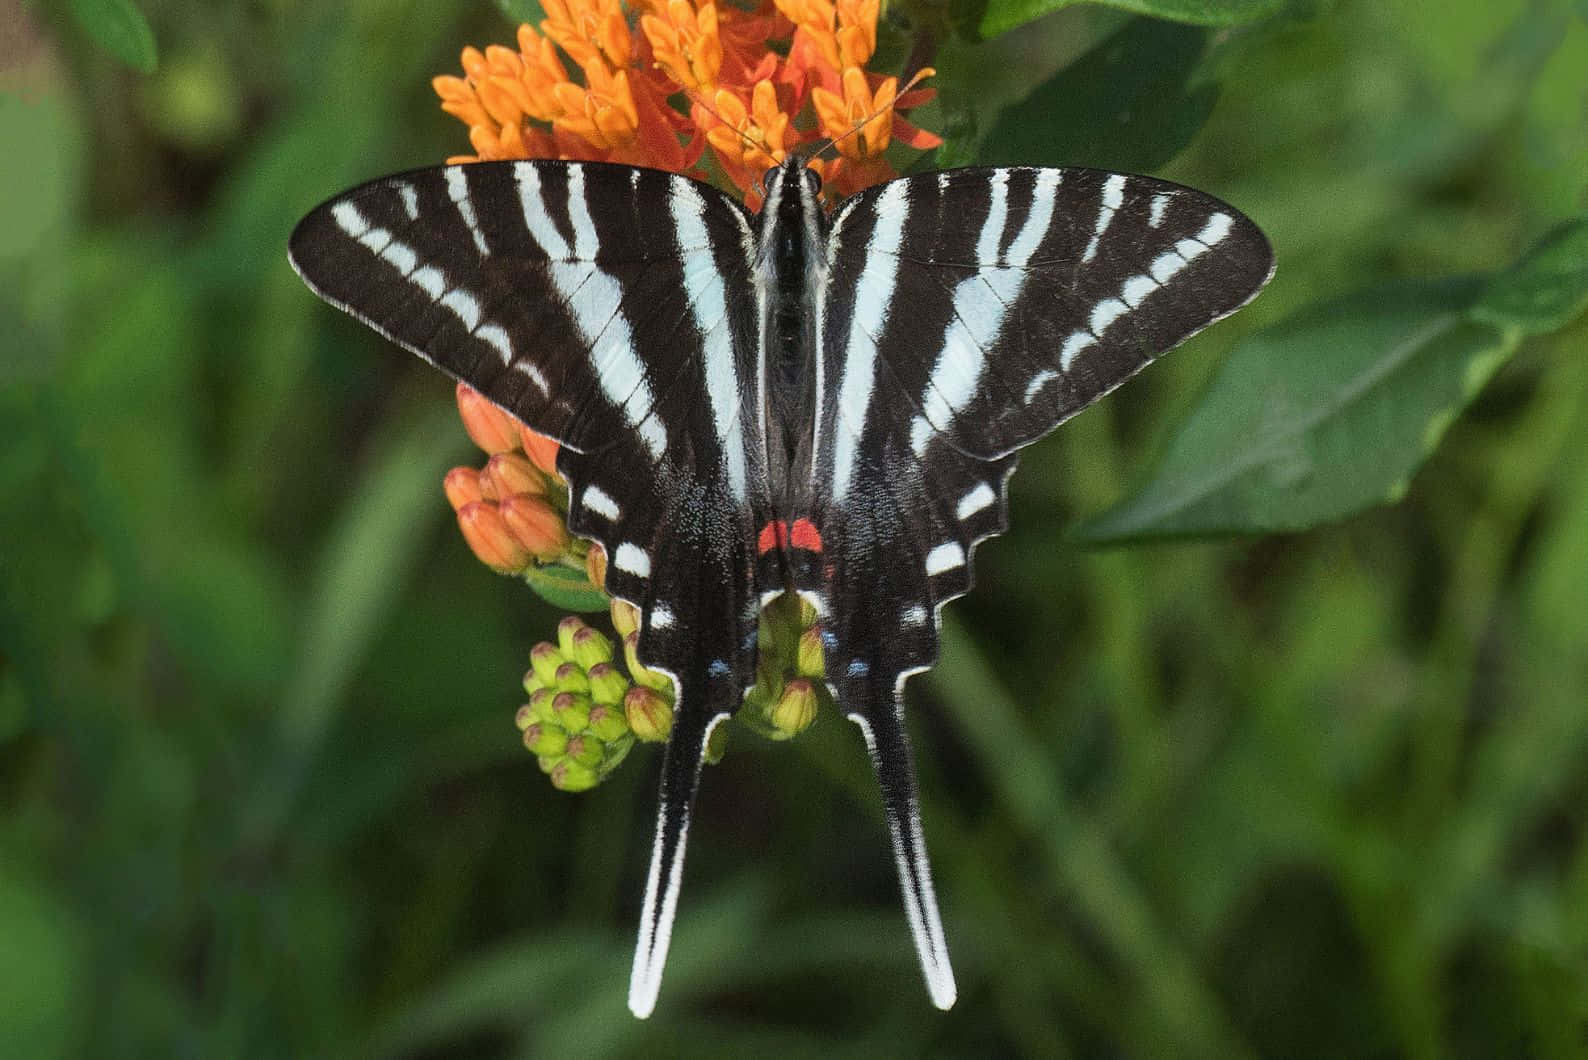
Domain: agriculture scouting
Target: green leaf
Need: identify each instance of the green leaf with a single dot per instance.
(1123, 105)
(120, 29)
(1318, 417)
(43, 967)
(566, 588)
(1002, 15)
(522, 11)
(1333, 410)
(1547, 288)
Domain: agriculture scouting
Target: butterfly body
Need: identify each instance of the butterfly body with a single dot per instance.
(828, 403)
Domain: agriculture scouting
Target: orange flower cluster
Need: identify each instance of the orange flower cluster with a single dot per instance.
(507, 511)
(749, 103)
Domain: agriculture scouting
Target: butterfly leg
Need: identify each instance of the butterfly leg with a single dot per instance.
(883, 728)
(694, 718)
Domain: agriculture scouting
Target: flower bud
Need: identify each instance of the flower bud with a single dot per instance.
(595, 566)
(545, 740)
(565, 632)
(794, 710)
(607, 722)
(525, 717)
(532, 682)
(625, 617)
(571, 678)
(510, 474)
(568, 775)
(488, 536)
(491, 429)
(809, 662)
(462, 486)
(540, 705)
(572, 710)
(649, 713)
(543, 662)
(637, 670)
(590, 648)
(542, 451)
(607, 683)
(585, 749)
(536, 525)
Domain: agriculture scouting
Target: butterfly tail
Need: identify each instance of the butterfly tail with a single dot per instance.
(883, 729)
(681, 765)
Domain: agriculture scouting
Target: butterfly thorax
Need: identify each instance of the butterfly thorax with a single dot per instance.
(791, 270)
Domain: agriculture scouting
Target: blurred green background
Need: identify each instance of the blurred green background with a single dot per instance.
(1316, 793)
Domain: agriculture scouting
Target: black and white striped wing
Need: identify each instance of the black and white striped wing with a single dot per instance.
(967, 314)
(609, 308)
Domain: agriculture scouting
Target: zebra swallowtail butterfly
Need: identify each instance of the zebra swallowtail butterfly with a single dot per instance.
(749, 404)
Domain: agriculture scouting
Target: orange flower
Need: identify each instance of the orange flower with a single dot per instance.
(750, 142)
(686, 43)
(858, 121)
(748, 77)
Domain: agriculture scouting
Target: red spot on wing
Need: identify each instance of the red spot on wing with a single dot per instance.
(777, 534)
(806, 536)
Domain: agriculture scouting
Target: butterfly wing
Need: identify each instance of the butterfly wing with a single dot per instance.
(965, 315)
(607, 307)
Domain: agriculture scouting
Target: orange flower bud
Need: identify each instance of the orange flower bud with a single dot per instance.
(510, 474)
(462, 486)
(595, 566)
(488, 536)
(536, 525)
(491, 429)
(542, 451)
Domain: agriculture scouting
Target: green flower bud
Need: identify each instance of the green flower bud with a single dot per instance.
(716, 744)
(524, 717)
(543, 661)
(607, 721)
(540, 705)
(568, 775)
(625, 617)
(649, 713)
(565, 633)
(532, 682)
(607, 683)
(794, 710)
(649, 678)
(590, 648)
(810, 662)
(585, 749)
(572, 710)
(545, 740)
(571, 678)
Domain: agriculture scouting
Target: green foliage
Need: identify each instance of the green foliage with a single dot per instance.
(1126, 104)
(119, 28)
(1334, 409)
(1313, 794)
(1003, 15)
